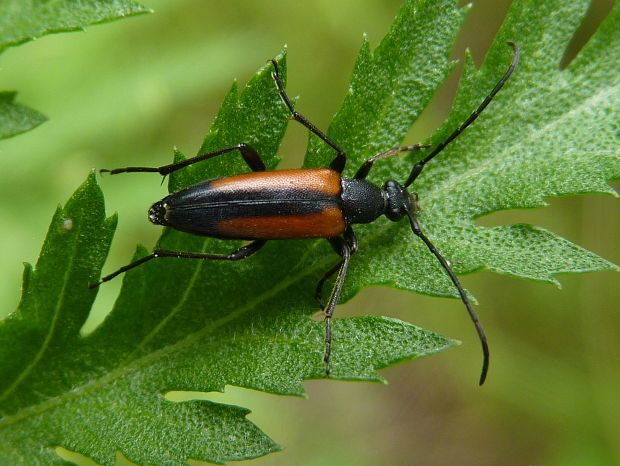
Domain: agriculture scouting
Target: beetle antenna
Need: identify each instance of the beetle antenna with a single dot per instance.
(418, 167)
(417, 230)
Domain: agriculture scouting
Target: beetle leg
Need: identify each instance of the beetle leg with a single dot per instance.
(341, 158)
(345, 246)
(241, 253)
(251, 157)
(362, 172)
(318, 294)
(337, 246)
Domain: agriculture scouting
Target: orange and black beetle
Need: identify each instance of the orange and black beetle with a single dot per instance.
(297, 204)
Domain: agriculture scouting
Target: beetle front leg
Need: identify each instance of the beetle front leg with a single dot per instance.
(363, 171)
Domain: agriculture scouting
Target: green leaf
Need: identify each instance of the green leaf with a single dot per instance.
(16, 118)
(55, 304)
(548, 133)
(200, 325)
(25, 20)
(63, 389)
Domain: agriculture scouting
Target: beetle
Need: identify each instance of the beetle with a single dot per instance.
(299, 204)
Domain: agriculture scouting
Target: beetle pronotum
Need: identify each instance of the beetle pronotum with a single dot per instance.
(297, 204)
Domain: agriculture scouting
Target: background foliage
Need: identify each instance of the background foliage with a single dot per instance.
(552, 349)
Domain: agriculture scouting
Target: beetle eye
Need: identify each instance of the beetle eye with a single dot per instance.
(397, 201)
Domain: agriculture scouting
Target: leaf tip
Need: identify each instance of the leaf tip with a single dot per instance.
(26, 276)
(112, 221)
(177, 155)
(465, 9)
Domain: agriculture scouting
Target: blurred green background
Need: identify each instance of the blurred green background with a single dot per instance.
(126, 92)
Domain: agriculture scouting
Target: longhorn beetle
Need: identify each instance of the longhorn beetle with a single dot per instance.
(297, 204)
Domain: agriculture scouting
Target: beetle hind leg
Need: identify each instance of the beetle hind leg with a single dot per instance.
(251, 157)
(238, 254)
